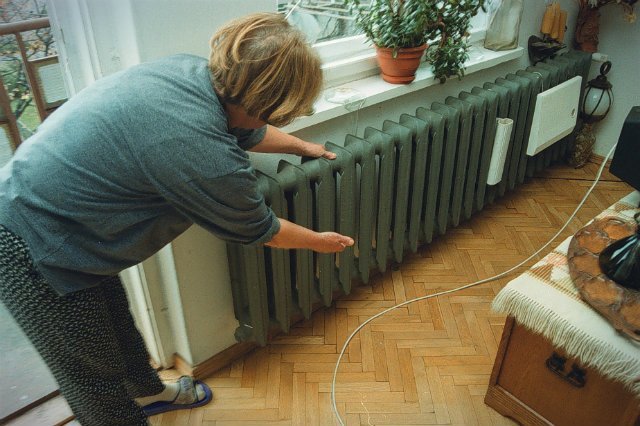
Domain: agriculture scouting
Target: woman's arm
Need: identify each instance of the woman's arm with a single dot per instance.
(277, 141)
(296, 236)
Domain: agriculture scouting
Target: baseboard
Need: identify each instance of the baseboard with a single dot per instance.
(53, 411)
(598, 159)
(220, 360)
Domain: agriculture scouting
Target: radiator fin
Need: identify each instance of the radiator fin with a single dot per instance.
(462, 155)
(474, 165)
(435, 123)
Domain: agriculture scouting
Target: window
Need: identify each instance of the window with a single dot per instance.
(330, 27)
(32, 77)
(345, 52)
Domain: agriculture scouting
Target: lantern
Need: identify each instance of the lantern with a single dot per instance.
(594, 107)
(597, 97)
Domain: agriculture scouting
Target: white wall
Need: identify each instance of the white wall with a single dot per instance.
(158, 34)
(105, 36)
(621, 42)
(192, 273)
(98, 38)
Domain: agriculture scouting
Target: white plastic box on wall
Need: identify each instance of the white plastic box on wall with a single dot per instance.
(555, 115)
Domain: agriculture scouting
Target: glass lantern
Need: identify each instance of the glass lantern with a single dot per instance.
(597, 97)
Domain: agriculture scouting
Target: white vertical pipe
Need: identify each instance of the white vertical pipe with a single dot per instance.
(500, 147)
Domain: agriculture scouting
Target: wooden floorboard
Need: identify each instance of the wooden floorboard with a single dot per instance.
(427, 363)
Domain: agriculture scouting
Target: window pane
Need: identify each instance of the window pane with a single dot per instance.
(320, 20)
(479, 22)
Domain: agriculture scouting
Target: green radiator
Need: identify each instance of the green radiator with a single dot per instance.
(392, 190)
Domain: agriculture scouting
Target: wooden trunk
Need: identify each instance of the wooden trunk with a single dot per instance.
(532, 382)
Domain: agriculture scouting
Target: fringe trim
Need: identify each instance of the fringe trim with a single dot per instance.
(610, 362)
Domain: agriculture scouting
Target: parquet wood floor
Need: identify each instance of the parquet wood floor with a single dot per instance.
(424, 364)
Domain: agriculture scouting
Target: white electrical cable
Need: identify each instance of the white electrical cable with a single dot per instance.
(351, 99)
(292, 9)
(346, 343)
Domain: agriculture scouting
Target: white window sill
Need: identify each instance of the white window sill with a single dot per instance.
(374, 90)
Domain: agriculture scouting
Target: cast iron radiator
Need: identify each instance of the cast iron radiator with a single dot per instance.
(398, 187)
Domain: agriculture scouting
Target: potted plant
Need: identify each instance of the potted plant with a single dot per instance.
(397, 29)
(449, 24)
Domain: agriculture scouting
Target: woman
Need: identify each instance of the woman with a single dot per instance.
(118, 172)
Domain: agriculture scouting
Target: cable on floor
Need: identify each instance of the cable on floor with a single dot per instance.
(503, 274)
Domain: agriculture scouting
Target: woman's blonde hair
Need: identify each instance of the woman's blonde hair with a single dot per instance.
(263, 64)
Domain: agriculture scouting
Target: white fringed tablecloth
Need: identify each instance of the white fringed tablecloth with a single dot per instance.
(544, 300)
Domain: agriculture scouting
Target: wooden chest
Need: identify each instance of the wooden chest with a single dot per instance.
(535, 383)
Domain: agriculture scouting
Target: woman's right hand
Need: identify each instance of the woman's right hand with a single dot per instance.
(292, 236)
(332, 242)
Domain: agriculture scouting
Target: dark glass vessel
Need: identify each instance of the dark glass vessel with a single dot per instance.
(620, 261)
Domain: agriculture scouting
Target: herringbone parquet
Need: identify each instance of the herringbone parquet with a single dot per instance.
(426, 363)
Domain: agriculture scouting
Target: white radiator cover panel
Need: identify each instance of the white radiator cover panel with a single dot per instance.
(555, 115)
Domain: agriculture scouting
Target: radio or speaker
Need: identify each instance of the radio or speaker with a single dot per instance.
(626, 160)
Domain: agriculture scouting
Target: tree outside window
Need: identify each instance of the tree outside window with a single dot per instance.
(38, 43)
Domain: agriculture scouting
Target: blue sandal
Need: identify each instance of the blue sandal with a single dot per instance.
(184, 400)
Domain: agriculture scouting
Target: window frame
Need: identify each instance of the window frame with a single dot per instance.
(353, 57)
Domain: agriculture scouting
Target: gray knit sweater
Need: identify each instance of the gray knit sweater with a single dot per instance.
(127, 165)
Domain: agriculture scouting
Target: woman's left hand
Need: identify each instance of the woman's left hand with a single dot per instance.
(277, 141)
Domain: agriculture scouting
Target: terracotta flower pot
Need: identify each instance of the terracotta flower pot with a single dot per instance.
(402, 68)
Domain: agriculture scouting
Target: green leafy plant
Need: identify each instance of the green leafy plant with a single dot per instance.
(399, 24)
(393, 24)
(451, 27)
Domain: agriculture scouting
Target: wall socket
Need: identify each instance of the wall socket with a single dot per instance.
(599, 57)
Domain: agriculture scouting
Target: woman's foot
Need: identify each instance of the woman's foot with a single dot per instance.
(185, 393)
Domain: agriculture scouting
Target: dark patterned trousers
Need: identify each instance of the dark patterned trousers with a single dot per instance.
(87, 339)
